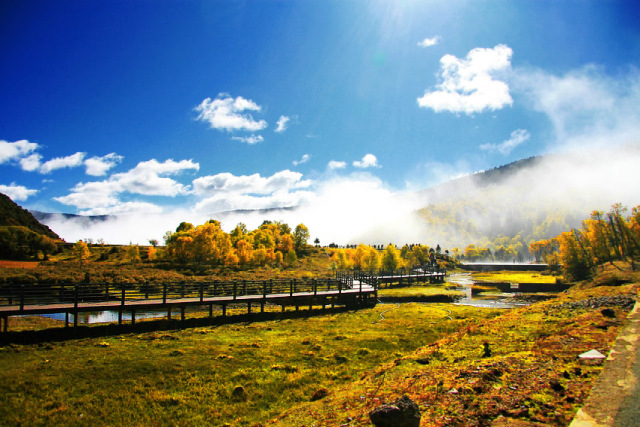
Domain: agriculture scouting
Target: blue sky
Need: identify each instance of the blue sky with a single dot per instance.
(129, 107)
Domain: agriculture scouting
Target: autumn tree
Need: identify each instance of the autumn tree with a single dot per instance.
(300, 237)
(81, 252)
(133, 254)
(391, 259)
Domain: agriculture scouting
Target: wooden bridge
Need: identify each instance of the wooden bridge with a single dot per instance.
(38, 299)
(350, 289)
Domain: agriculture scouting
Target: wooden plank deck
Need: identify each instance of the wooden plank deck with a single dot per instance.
(357, 295)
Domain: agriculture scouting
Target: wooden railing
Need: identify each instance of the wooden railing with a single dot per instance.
(48, 294)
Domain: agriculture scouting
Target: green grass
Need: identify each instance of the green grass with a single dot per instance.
(513, 277)
(187, 377)
(418, 291)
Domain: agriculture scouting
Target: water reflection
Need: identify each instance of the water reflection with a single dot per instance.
(465, 281)
(108, 316)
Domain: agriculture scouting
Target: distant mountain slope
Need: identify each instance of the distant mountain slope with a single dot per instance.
(12, 214)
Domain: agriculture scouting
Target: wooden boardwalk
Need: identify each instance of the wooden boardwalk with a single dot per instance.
(350, 289)
(22, 300)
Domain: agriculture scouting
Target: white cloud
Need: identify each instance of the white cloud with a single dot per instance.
(470, 85)
(56, 163)
(227, 113)
(368, 161)
(227, 191)
(335, 164)
(517, 137)
(10, 151)
(428, 42)
(98, 166)
(249, 184)
(17, 192)
(304, 159)
(253, 139)
(31, 163)
(147, 178)
(283, 122)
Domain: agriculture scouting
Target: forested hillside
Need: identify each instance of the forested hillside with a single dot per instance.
(13, 215)
(497, 214)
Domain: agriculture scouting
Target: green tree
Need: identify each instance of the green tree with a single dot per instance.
(133, 254)
(300, 237)
(391, 259)
(290, 258)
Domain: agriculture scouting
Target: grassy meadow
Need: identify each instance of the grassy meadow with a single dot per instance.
(188, 377)
(326, 370)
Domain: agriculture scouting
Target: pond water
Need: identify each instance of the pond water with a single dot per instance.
(108, 316)
(465, 281)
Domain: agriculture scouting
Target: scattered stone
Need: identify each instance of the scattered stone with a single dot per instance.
(239, 393)
(625, 302)
(556, 386)
(486, 352)
(608, 312)
(176, 353)
(319, 394)
(423, 361)
(339, 358)
(592, 357)
(103, 344)
(402, 413)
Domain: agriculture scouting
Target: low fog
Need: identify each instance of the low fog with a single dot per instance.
(360, 209)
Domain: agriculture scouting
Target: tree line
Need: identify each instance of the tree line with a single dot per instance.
(603, 238)
(273, 243)
(370, 258)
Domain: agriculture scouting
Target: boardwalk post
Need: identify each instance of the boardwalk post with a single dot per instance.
(201, 291)
(264, 289)
(224, 310)
(121, 305)
(146, 290)
(235, 290)
(244, 287)
(164, 294)
(75, 307)
(315, 287)
(133, 317)
(210, 310)
(182, 313)
(291, 288)
(21, 297)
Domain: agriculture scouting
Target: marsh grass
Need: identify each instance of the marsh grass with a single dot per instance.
(188, 377)
(531, 374)
(419, 291)
(513, 277)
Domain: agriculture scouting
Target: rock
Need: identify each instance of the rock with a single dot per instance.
(402, 413)
(608, 312)
(239, 393)
(556, 386)
(592, 357)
